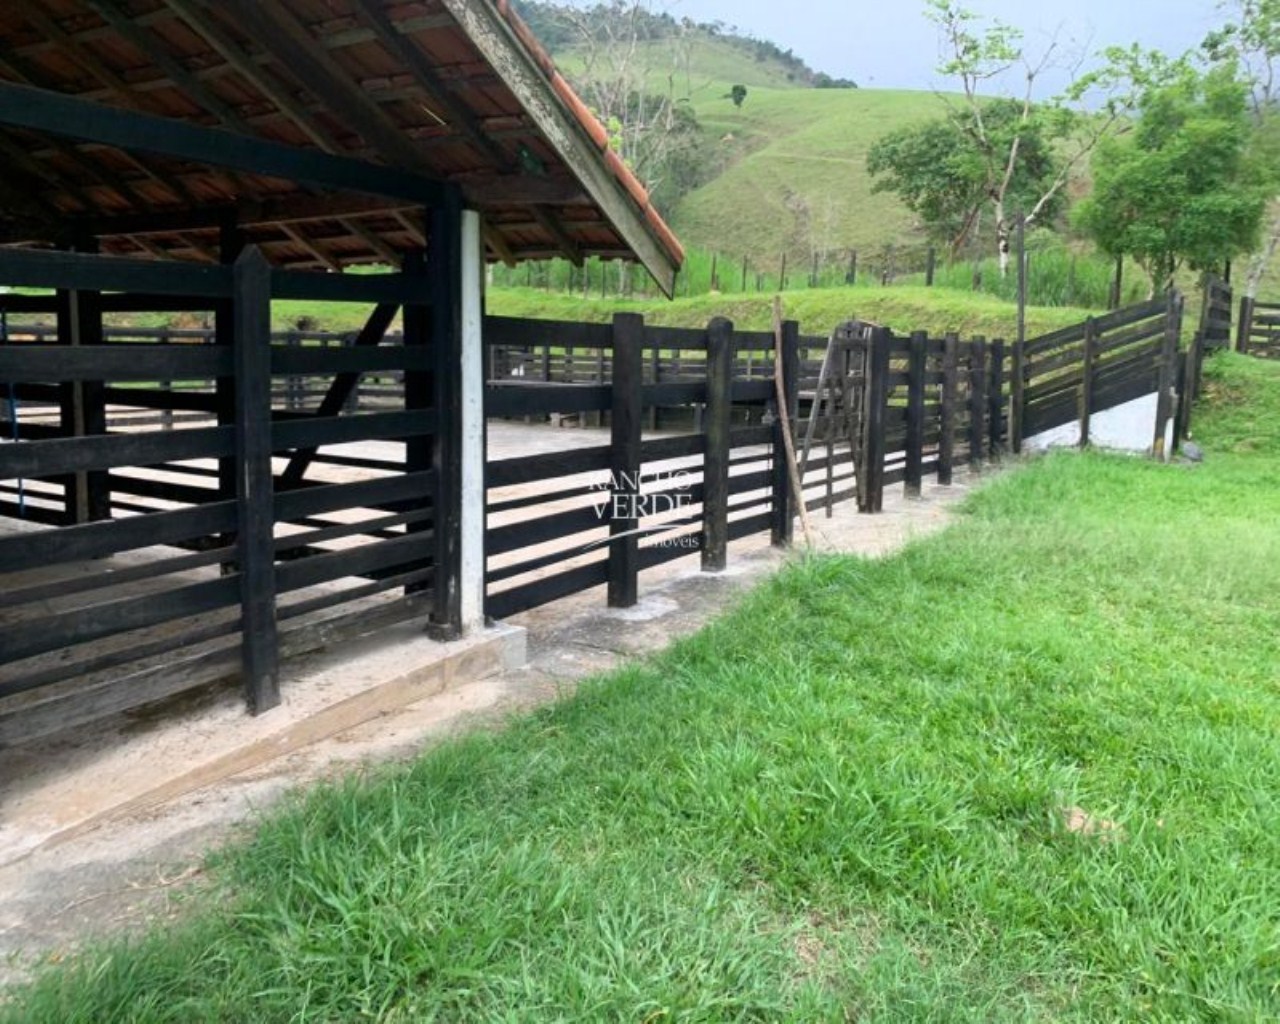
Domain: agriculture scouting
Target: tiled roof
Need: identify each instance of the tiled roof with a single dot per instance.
(596, 131)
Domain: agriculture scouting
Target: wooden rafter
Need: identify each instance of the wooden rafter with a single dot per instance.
(307, 61)
(36, 177)
(73, 155)
(454, 113)
(41, 110)
(85, 58)
(253, 70)
(322, 257)
(206, 252)
(180, 77)
(413, 228)
(371, 239)
(567, 246)
(458, 116)
(494, 240)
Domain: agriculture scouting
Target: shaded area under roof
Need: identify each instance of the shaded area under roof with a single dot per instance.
(452, 90)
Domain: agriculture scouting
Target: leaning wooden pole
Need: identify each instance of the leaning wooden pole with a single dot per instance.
(784, 415)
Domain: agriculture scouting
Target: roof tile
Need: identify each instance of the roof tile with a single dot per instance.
(595, 130)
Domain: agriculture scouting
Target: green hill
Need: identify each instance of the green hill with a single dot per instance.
(796, 177)
(788, 168)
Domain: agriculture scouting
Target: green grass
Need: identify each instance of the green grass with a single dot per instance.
(844, 801)
(903, 307)
(703, 69)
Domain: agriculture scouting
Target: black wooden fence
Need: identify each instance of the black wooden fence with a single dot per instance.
(330, 528)
(182, 555)
(568, 520)
(1258, 332)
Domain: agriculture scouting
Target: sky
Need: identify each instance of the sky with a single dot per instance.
(888, 44)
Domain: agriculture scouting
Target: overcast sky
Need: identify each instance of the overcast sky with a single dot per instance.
(889, 44)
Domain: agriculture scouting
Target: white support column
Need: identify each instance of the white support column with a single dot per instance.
(473, 425)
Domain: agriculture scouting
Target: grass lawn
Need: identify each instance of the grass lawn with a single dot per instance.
(1026, 770)
(905, 308)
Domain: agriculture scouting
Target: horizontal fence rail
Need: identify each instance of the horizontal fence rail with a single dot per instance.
(602, 514)
(188, 505)
(1258, 332)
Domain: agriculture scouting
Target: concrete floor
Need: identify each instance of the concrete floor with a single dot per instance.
(86, 859)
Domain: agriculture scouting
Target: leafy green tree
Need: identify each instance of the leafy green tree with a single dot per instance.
(1012, 156)
(1250, 43)
(1181, 187)
(738, 94)
(939, 169)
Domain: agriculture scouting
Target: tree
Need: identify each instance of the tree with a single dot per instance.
(1251, 44)
(1181, 187)
(978, 58)
(939, 170)
(738, 93)
(632, 87)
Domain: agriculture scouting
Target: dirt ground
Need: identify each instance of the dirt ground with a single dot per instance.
(136, 868)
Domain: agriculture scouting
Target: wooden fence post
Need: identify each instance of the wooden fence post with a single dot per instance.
(1020, 237)
(444, 265)
(1086, 380)
(950, 386)
(995, 399)
(419, 396)
(1245, 327)
(716, 426)
(1180, 411)
(1017, 396)
(784, 502)
(977, 401)
(255, 555)
(231, 242)
(876, 398)
(1168, 354)
(917, 364)
(1190, 387)
(627, 409)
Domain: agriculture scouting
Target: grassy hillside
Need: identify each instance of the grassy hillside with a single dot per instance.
(797, 178)
(794, 157)
(703, 68)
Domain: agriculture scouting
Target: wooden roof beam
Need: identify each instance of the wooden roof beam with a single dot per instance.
(408, 26)
(73, 155)
(149, 247)
(408, 53)
(75, 51)
(307, 61)
(84, 56)
(182, 79)
(323, 258)
(497, 242)
(370, 238)
(412, 227)
(49, 112)
(251, 69)
(37, 177)
(569, 249)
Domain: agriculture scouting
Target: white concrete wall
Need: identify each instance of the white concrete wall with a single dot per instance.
(1127, 428)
